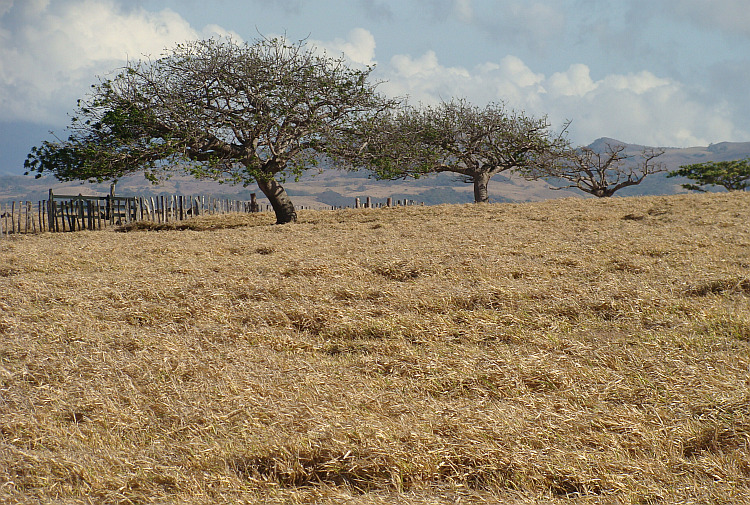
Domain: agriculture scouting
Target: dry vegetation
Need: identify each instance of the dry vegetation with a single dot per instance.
(570, 351)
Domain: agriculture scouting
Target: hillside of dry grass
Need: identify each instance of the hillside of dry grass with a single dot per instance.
(568, 351)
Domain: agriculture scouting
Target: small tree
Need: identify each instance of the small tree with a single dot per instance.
(732, 175)
(600, 173)
(476, 143)
(239, 113)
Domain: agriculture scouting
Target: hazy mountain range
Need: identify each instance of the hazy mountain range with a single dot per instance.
(339, 188)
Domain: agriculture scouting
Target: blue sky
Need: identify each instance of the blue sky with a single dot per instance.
(654, 72)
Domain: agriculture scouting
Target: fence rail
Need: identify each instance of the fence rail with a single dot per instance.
(78, 212)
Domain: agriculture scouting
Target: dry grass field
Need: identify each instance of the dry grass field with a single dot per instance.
(567, 351)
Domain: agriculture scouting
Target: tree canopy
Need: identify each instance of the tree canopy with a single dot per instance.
(732, 175)
(599, 173)
(234, 112)
(455, 136)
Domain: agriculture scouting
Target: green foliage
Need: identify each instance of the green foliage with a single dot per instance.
(113, 141)
(732, 175)
(474, 142)
(236, 113)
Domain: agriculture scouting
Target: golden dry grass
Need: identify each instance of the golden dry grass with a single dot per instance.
(569, 351)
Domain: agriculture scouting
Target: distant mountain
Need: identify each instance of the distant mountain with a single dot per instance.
(338, 188)
(673, 158)
(676, 156)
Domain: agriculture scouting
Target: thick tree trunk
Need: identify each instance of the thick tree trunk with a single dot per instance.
(480, 187)
(280, 201)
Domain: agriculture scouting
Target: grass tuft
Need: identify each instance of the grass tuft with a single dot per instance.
(569, 351)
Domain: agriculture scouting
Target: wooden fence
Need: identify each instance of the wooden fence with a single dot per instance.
(77, 212)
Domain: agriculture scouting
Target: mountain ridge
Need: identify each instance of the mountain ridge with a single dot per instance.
(339, 188)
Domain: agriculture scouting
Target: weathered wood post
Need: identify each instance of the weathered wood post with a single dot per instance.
(254, 203)
(368, 203)
(356, 203)
(111, 210)
(28, 221)
(50, 213)
(80, 214)
(63, 215)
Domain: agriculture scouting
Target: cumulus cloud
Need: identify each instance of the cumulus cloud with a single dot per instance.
(358, 48)
(638, 107)
(576, 81)
(50, 52)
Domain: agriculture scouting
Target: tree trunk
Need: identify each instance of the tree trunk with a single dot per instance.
(480, 187)
(280, 201)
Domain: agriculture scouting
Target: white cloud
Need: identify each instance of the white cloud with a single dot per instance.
(576, 81)
(359, 48)
(51, 52)
(639, 107)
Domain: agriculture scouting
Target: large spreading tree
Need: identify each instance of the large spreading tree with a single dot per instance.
(234, 112)
(600, 173)
(731, 175)
(456, 136)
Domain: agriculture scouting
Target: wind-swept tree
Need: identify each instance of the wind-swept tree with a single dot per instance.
(234, 112)
(731, 175)
(475, 142)
(599, 173)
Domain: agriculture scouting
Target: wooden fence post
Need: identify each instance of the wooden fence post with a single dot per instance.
(62, 216)
(81, 210)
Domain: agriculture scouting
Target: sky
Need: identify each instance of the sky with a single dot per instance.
(670, 73)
